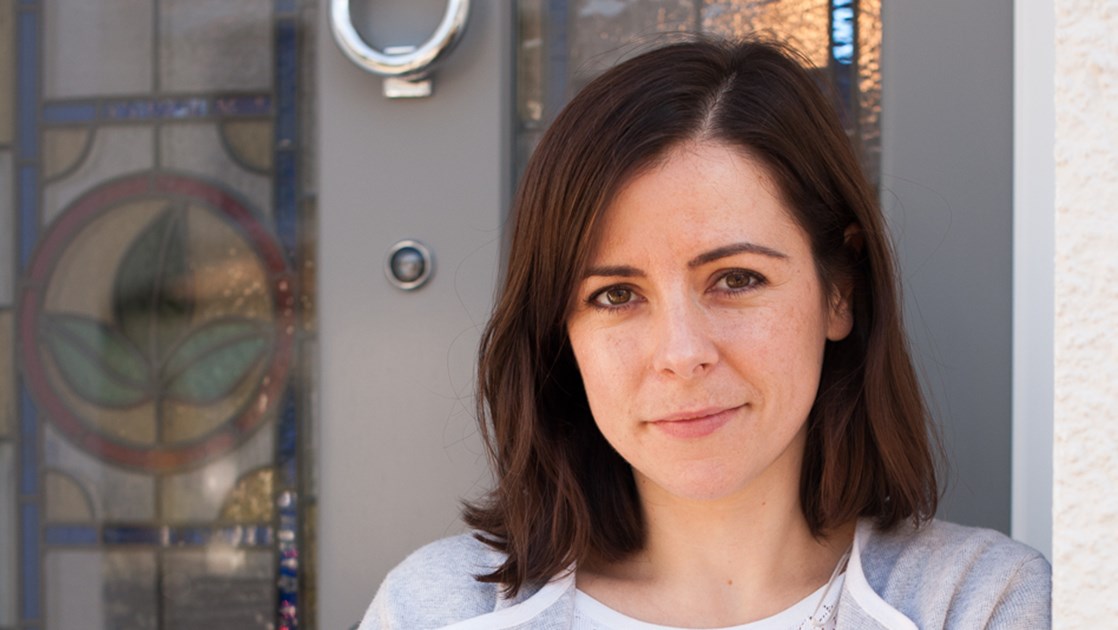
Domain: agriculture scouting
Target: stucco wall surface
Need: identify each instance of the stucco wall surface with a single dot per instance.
(1085, 456)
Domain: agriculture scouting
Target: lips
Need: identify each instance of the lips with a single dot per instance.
(695, 424)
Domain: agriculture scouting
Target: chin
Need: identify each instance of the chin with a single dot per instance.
(702, 484)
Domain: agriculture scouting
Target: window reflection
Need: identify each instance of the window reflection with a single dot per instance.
(563, 44)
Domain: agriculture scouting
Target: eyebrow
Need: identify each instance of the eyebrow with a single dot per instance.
(627, 271)
(614, 271)
(734, 249)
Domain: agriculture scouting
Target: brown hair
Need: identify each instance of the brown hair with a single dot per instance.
(562, 493)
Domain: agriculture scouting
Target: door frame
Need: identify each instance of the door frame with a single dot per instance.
(1034, 255)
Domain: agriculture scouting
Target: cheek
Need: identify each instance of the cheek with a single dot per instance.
(800, 357)
(782, 348)
(602, 359)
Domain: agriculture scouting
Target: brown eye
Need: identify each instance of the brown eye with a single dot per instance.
(618, 296)
(613, 297)
(739, 280)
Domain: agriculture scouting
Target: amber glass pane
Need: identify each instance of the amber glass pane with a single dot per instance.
(869, 85)
(803, 23)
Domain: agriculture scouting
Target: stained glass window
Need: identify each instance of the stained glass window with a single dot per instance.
(563, 44)
(156, 320)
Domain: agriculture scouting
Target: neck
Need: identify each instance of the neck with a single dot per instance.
(721, 562)
(708, 538)
(752, 544)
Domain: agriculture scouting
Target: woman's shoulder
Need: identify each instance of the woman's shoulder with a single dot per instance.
(939, 545)
(946, 575)
(436, 586)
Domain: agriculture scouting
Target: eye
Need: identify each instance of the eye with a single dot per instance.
(612, 297)
(736, 280)
(617, 296)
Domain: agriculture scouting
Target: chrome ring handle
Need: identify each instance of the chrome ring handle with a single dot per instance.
(408, 63)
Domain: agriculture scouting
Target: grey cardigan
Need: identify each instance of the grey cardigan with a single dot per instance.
(938, 576)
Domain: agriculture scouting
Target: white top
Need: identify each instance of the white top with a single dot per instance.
(590, 614)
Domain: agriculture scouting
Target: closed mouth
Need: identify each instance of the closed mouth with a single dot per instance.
(696, 424)
(698, 414)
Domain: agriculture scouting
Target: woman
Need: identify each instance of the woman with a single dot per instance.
(695, 387)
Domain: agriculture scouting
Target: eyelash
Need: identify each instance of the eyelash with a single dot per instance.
(754, 280)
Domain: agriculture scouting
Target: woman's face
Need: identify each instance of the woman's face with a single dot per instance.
(699, 327)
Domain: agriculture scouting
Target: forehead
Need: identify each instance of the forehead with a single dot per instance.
(698, 194)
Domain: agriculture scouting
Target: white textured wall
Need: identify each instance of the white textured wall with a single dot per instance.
(1085, 457)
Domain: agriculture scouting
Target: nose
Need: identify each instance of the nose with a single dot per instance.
(684, 346)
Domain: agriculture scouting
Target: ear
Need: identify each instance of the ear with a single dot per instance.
(841, 312)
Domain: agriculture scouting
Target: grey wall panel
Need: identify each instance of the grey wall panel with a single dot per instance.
(947, 132)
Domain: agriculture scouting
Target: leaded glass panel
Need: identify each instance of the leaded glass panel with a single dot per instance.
(156, 291)
(563, 44)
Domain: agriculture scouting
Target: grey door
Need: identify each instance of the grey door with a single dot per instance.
(397, 448)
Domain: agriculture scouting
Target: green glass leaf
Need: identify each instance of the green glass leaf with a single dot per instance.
(97, 361)
(214, 359)
(153, 292)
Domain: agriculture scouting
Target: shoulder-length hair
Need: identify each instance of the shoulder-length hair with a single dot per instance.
(562, 493)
